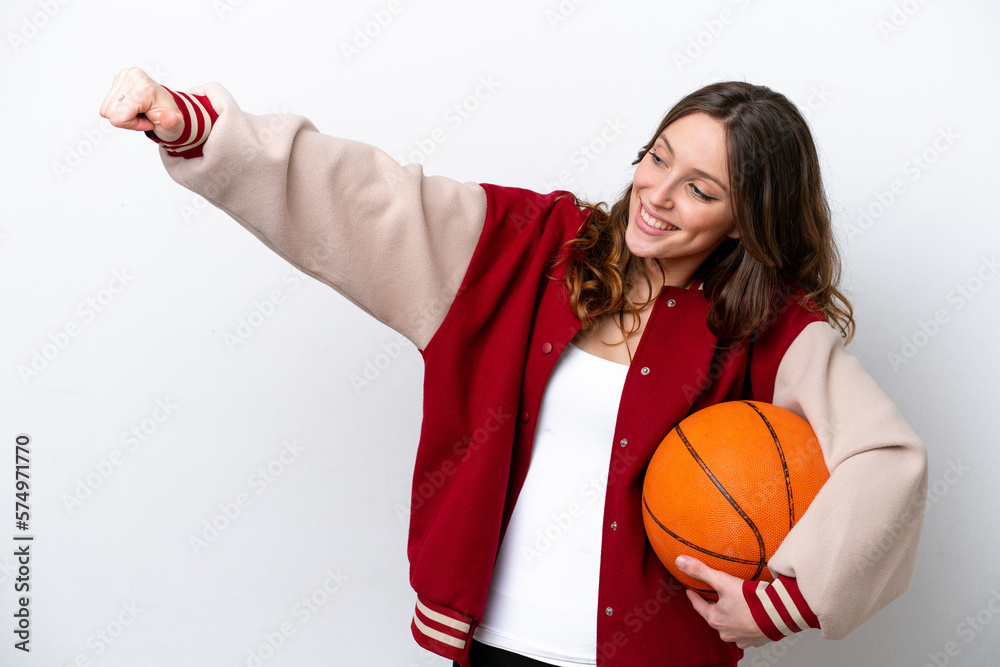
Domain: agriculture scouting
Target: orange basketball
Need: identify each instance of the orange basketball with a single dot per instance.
(727, 484)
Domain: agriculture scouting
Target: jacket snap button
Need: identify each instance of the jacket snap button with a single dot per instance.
(624, 441)
(645, 370)
(671, 303)
(608, 611)
(614, 525)
(546, 348)
(524, 417)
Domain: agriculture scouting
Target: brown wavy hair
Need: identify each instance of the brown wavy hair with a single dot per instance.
(786, 242)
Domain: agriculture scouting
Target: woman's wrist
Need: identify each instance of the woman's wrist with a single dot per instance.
(779, 608)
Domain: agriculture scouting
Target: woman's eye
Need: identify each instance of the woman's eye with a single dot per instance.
(701, 195)
(656, 158)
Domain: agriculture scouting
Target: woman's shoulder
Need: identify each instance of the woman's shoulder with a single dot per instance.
(792, 306)
(791, 312)
(507, 197)
(520, 209)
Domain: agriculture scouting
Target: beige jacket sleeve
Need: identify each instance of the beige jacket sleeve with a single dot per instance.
(395, 242)
(853, 550)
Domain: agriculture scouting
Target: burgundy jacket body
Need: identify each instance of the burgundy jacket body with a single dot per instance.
(486, 369)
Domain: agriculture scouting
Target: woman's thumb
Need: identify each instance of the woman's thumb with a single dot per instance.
(167, 124)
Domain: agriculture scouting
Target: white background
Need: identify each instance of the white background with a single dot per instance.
(881, 81)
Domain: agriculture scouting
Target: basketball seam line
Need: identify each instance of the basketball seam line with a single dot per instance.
(784, 465)
(729, 498)
(731, 559)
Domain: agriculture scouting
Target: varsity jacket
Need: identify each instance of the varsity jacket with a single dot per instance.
(466, 271)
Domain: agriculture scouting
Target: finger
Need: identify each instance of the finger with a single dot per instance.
(132, 104)
(141, 124)
(723, 583)
(122, 87)
(166, 123)
(695, 568)
(126, 115)
(113, 93)
(700, 604)
(119, 107)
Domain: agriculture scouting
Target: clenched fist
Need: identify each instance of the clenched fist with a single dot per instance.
(136, 102)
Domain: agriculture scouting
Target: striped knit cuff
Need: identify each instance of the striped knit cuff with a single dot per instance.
(779, 608)
(198, 115)
(441, 630)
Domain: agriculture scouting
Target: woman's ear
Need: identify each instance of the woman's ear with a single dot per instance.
(733, 233)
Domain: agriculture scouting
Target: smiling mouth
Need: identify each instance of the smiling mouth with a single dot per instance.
(653, 222)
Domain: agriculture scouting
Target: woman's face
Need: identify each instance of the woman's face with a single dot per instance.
(680, 209)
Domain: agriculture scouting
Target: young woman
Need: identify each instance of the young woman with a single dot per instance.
(561, 343)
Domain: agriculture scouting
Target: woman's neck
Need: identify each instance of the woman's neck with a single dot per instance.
(662, 274)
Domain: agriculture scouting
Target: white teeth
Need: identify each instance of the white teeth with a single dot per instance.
(652, 222)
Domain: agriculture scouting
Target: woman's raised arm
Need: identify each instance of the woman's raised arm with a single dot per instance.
(393, 241)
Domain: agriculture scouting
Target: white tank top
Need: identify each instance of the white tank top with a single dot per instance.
(542, 600)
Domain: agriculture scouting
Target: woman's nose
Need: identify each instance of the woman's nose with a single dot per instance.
(661, 194)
